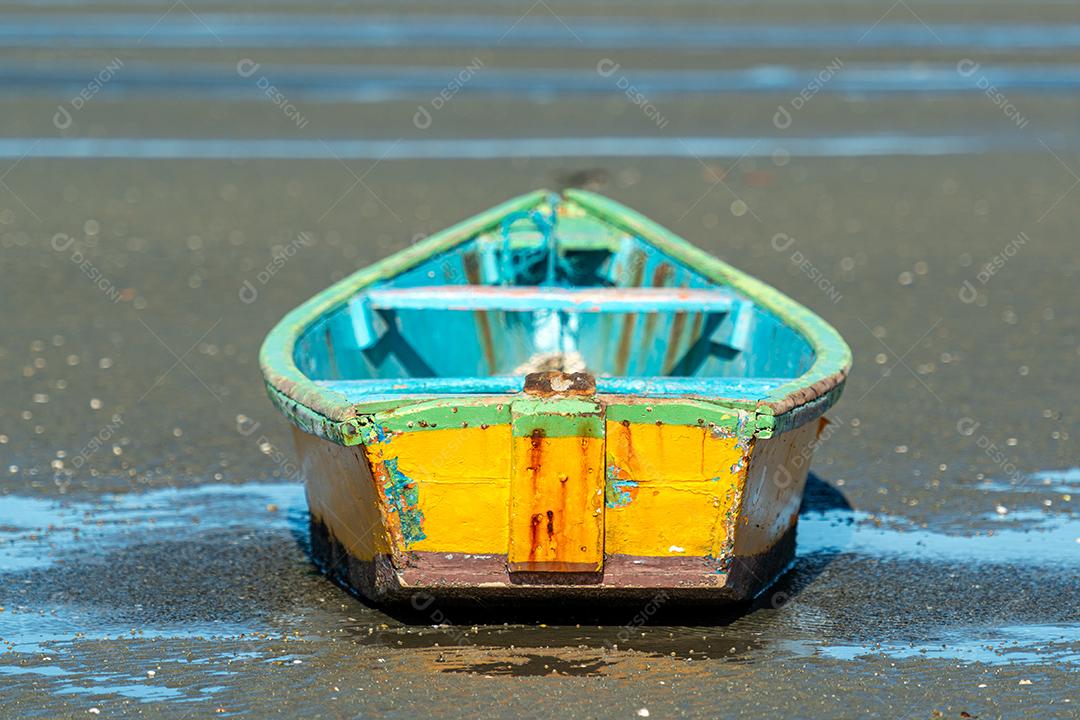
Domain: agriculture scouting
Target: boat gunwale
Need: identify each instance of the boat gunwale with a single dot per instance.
(329, 414)
(832, 356)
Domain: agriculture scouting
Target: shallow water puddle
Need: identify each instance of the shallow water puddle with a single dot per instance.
(35, 532)
(1028, 537)
(1018, 645)
(78, 665)
(41, 631)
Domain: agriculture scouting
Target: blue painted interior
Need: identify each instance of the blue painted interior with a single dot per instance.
(423, 350)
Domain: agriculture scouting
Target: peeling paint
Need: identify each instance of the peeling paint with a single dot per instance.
(375, 433)
(403, 495)
(740, 430)
(719, 431)
(618, 491)
(743, 442)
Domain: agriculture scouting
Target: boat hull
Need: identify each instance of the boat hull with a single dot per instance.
(691, 511)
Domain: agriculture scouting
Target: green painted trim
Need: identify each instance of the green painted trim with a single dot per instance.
(766, 425)
(832, 355)
(343, 432)
(740, 423)
(451, 413)
(562, 405)
(440, 414)
(313, 408)
(558, 417)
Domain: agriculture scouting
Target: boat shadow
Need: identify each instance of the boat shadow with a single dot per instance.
(820, 496)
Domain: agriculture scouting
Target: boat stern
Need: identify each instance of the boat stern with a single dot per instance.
(558, 492)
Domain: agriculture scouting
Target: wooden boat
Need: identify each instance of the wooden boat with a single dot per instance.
(556, 397)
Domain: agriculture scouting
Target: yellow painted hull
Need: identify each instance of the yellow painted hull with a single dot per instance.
(479, 511)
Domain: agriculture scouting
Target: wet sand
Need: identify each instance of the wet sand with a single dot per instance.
(153, 548)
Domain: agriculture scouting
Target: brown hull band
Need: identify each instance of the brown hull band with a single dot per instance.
(483, 577)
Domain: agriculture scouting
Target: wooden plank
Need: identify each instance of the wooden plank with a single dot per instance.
(557, 486)
(672, 489)
(525, 299)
